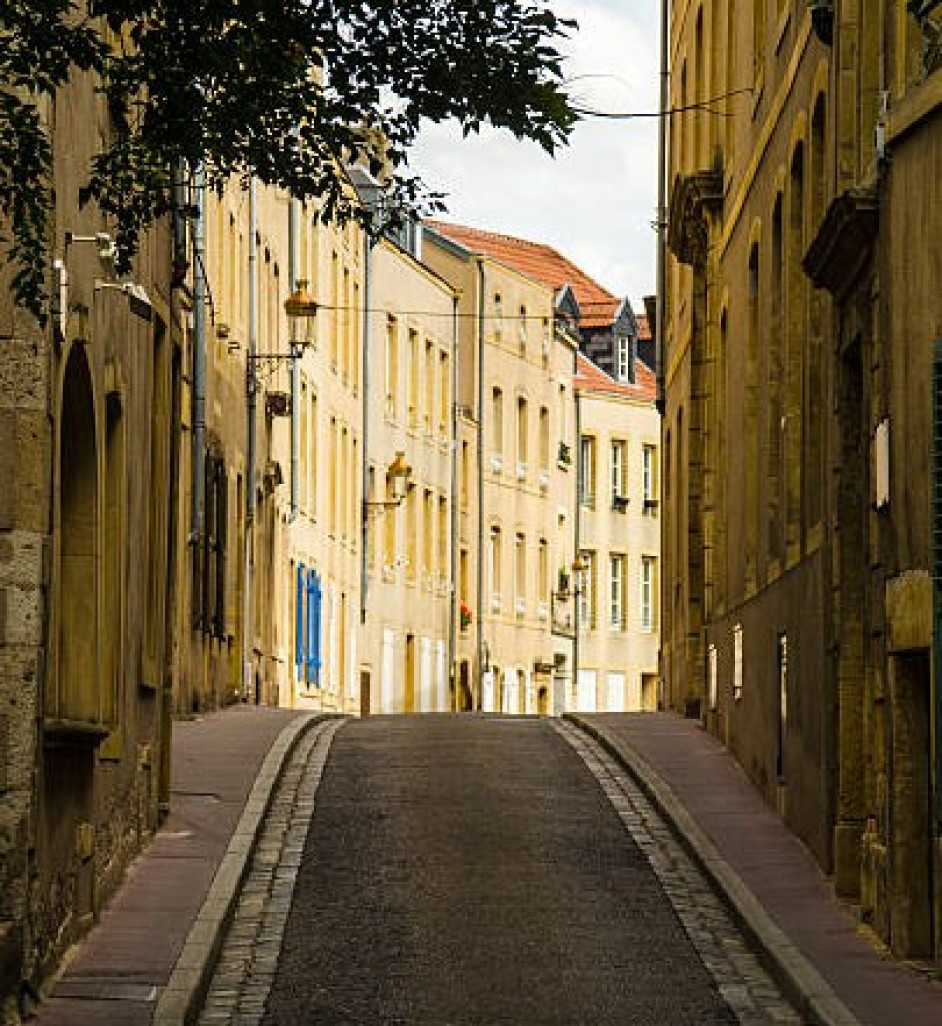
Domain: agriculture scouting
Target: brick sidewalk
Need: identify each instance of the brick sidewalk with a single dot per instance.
(116, 976)
(706, 783)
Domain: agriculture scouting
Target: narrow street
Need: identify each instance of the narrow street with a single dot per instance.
(476, 870)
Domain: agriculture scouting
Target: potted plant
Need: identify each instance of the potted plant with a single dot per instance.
(464, 616)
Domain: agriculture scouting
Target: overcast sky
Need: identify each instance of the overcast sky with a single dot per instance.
(594, 201)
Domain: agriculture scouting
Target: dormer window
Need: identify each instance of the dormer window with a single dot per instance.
(624, 358)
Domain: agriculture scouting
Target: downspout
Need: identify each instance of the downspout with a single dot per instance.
(663, 129)
(577, 586)
(251, 392)
(365, 378)
(294, 260)
(480, 469)
(198, 411)
(453, 555)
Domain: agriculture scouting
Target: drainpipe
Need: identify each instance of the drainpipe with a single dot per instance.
(480, 469)
(365, 379)
(294, 260)
(198, 411)
(453, 555)
(577, 585)
(663, 129)
(251, 392)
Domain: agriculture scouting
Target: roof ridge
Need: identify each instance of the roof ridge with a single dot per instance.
(544, 247)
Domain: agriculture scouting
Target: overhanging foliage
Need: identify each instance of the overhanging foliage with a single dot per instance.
(289, 90)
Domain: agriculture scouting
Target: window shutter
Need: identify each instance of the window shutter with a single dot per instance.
(299, 619)
(222, 532)
(313, 626)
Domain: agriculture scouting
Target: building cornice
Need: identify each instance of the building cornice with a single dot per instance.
(692, 197)
(844, 242)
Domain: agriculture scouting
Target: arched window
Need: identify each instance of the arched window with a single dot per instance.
(77, 696)
(751, 410)
(775, 385)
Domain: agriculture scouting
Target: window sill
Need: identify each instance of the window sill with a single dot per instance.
(64, 733)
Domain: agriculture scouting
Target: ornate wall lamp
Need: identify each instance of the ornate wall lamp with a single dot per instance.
(399, 473)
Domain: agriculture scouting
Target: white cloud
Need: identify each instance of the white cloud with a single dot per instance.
(595, 200)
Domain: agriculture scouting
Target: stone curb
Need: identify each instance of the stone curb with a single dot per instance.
(181, 997)
(802, 984)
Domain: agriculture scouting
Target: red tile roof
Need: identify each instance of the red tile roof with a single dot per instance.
(590, 378)
(545, 264)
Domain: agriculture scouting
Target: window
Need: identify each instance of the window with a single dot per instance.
(335, 303)
(443, 534)
(332, 479)
(522, 329)
(623, 354)
(347, 320)
(444, 391)
(497, 422)
(304, 454)
(737, 661)
(464, 576)
(544, 439)
(522, 438)
(649, 480)
(429, 411)
(587, 471)
(712, 677)
(648, 592)
(390, 521)
(494, 559)
(520, 571)
(465, 475)
(428, 535)
(412, 530)
(308, 625)
(392, 365)
(313, 446)
(342, 471)
(370, 520)
(414, 372)
(616, 595)
(498, 316)
(587, 591)
(619, 489)
(543, 571)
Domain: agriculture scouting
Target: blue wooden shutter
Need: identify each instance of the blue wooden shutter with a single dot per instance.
(314, 605)
(313, 626)
(299, 619)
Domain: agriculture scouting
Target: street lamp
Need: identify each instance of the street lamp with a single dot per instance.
(398, 472)
(301, 309)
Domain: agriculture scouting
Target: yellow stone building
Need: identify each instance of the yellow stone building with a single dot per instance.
(797, 360)
(515, 375)
(84, 543)
(407, 607)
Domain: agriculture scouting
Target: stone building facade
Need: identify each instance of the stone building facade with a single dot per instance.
(515, 384)
(408, 616)
(85, 537)
(802, 312)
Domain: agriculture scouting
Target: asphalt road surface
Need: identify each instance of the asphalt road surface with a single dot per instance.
(463, 871)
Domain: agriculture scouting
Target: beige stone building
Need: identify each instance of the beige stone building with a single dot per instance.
(407, 603)
(609, 443)
(618, 540)
(515, 388)
(84, 541)
(798, 361)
